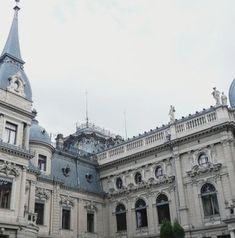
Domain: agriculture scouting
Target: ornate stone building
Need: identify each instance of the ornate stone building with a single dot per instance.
(94, 184)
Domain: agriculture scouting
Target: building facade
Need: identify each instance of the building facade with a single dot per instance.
(93, 184)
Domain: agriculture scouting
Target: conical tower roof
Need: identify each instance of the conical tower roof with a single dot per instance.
(12, 46)
(12, 75)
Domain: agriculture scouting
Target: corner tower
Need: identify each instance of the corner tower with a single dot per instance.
(15, 91)
(12, 76)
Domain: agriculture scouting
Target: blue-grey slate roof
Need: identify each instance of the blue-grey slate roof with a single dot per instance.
(11, 62)
(76, 178)
(38, 133)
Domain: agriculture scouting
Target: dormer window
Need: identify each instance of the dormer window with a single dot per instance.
(10, 133)
(42, 162)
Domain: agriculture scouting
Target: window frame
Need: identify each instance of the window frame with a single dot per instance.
(93, 224)
(163, 205)
(210, 196)
(10, 197)
(7, 128)
(142, 210)
(41, 158)
(120, 216)
(64, 227)
(43, 213)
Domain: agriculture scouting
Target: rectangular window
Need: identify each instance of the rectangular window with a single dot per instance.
(10, 133)
(42, 162)
(90, 222)
(65, 218)
(5, 193)
(39, 209)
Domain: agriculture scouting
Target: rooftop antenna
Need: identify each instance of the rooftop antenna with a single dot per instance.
(87, 119)
(125, 124)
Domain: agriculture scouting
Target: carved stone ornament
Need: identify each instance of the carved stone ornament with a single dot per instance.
(16, 84)
(197, 170)
(42, 193)
(9, 169)
(90, 206)
(66, 171)
(66, 200)
(164, 179)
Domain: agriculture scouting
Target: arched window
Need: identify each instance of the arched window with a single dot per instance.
(163, 210)
(119, 183)
(158, 172)
(203, 159)
(121, 217)
(209, 200)
(138, 178)
(141, 213)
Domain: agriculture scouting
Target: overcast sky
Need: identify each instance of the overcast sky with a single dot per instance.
(138, 56)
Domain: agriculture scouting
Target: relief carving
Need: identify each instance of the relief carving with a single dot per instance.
(66, 200)
(42, 193)
(16, 84)
(209, 167)
(9, 169)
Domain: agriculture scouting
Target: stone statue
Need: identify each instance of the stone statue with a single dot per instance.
(172, 114)
(216, 95)
(224, 99)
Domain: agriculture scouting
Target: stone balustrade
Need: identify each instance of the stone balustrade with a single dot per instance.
(180, 128)
(31, 218)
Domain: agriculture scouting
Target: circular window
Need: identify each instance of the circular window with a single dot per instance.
(119, 183)
(203, 159)
(158, 172)
(138, 178)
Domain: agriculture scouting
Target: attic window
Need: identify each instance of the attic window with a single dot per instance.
(89, 177)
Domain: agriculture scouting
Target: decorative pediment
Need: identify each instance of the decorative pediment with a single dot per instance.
(66, 200)
(9, 169)
(16, 84)
(206, 168)
(42, 193)
(90, 206)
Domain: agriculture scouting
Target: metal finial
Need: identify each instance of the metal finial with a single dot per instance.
(17, 8)
(87, 118)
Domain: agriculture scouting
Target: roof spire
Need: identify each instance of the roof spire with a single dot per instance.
(12, 46)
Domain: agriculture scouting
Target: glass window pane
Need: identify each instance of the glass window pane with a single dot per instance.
(5, 193)
(39, 209)
(90, 222)
(66, 219)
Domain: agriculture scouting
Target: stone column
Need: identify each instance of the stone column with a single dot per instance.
(129, 218)
(232, 234)
(56, 214)
(26, 136)
(228, 158)
(1, 125)
(151, 222)
(32, 196)
(197, 215)
(183, 210)
(22, 194)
